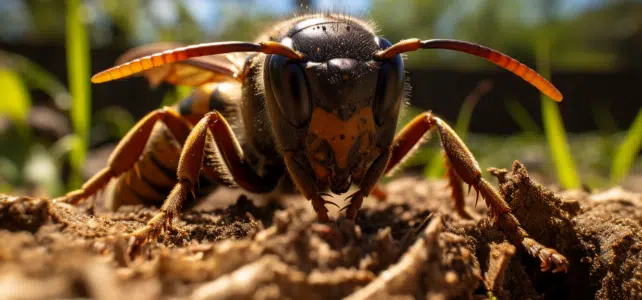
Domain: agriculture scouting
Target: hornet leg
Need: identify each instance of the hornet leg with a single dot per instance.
(408, 141)
(463, 164)
(129, 150)
(191, 163)
(456, 190)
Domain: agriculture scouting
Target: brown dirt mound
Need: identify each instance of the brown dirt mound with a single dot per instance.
(411, 246)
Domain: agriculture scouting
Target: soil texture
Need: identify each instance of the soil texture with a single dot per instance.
(413, 245)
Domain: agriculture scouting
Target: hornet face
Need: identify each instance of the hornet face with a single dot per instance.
(336, 109)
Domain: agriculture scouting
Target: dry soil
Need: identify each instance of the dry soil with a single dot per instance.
(411, 246)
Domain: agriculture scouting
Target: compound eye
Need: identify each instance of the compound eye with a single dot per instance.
(290, 88)
(390, 86)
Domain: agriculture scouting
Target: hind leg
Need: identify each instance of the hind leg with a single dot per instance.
(129, 150)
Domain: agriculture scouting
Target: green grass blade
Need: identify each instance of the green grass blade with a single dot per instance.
(554, 127)
(627, 151)
(16, 101)
(77, 46)
(558, 145)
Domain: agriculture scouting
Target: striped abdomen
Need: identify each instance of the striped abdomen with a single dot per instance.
(154, 175)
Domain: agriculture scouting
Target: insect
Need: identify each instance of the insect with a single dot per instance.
(314, 104)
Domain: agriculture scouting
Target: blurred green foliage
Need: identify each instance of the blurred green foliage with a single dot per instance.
(580, 42)
(27, 162)
(553, 125)
(606, 36)
(77, 46)
(17, 100)
(116, 120)
(35, 77)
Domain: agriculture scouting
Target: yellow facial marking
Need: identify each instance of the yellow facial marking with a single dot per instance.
(340, 134)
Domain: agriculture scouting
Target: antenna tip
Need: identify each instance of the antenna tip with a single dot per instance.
(101, 77)
(556, 95)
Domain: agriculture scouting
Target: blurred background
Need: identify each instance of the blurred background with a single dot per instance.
(56, 129)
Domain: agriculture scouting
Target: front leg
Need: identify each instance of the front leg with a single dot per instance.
(408, 141)
(463, 163)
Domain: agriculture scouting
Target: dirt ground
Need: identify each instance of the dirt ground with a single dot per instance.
(411, 246)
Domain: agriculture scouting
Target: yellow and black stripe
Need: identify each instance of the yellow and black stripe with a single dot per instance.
(154, 175)
(220, 96)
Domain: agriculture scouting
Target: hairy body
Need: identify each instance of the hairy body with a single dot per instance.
(312, 105)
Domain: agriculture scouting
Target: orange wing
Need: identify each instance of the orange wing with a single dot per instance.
(191, 72)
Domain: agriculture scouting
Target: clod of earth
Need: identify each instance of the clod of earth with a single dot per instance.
(412, 245)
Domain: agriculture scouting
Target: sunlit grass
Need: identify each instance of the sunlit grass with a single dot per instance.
(77, 46)
(553, 126)
(627, 151)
